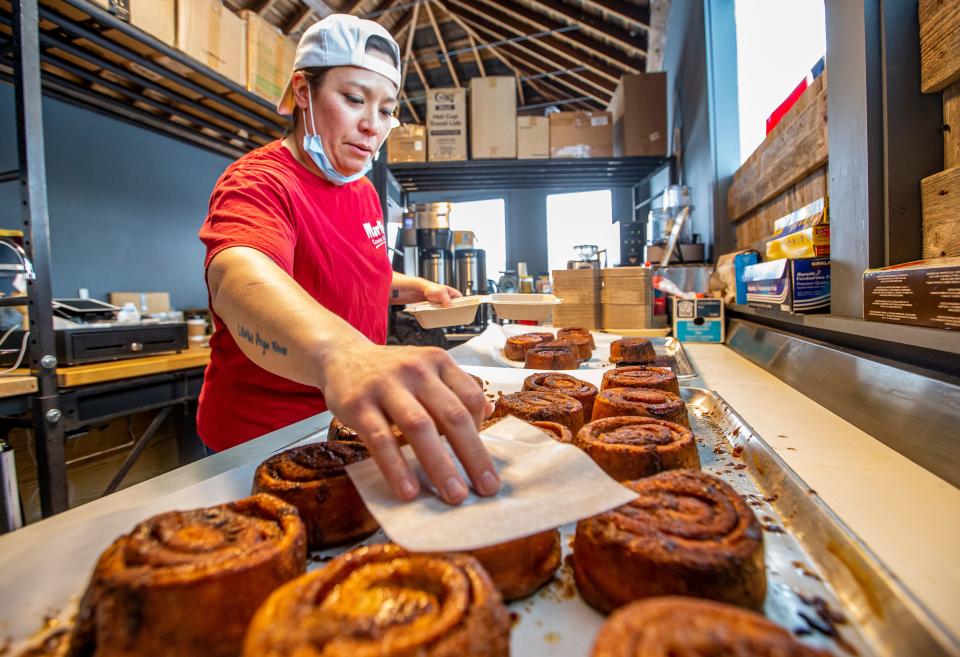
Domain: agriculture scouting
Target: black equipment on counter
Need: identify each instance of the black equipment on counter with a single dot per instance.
(471, 271)
(93, 344)
(435, 265)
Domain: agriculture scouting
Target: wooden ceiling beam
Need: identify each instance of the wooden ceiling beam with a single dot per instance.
(572, 86)
(442, 44)
(546, 46)
(625, 11)
(599, 29)
(353, 8)
(409, 48)
(298, 21)
(600, 76)
(518, 12)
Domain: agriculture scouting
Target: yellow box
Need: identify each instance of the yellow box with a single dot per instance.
(802, 234)
(270, 57)
(214, 36)
(155, 17)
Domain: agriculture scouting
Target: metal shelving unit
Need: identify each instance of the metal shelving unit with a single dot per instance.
(89, 57)
(527, 174)
(77, 52)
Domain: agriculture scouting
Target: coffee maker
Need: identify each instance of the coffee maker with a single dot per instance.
(427, 241)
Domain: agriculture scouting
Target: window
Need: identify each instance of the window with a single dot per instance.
(777, 45)
(487, 221)
(581, 218)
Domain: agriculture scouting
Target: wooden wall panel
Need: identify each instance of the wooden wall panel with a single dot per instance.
(939, 44)
(951, 126)
(794, 149)
(757, 225)
(940, 195)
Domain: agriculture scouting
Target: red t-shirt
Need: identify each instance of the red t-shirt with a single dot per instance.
(330, 239)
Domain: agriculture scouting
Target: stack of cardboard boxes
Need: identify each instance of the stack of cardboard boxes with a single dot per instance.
(635, 124)
(626, 299)
(580, 290)
(244, 48)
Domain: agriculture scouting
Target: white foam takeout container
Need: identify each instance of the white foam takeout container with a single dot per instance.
(534, 307)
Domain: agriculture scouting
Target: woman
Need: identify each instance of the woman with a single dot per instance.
(299, 281)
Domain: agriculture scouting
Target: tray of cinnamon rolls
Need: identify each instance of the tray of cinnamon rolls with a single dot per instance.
(574, 348)
(723, 551)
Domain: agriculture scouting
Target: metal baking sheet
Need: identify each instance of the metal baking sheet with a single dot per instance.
(823, 584)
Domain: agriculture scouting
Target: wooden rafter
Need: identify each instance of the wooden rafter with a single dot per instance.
(558, 93)
(659, 9)
(628, 43)
(354, 7)
(423, 78)
(413, 111)
(262, 7)
(409, 48)
(602, 78)
(583, 43)
(298, 21)
(625, 11)
(548, 45)
(472, 40)
(442, 44)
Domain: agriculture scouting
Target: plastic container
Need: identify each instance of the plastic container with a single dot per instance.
(534, 307)
(432, 315)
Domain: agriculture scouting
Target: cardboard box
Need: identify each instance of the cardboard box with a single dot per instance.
(639, 111)
(214, 36)
(407, 143)
(698, 320)
(119, 8)
(147, 303)
(802, 234)
(155, 17)
(493, 109)
(921, 293)
(533, 137)
(270, 57)
(794, 286)
(581, 134)
(446, 125)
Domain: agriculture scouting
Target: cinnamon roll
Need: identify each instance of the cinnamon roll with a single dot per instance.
(632, 350)
(688, 533)
(641, 376)
(660, 627)
(518, 568)
(634, 447)
(539, 406)
(659, 404)
(381, 600)
(564, 332)
(565, 384)
(187, 583)
(580, 342)
(558, 432)
(552, 356)
(339, 431)
(517, 346)
(313, 479)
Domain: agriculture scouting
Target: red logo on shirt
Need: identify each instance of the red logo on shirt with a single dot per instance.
(375, 233)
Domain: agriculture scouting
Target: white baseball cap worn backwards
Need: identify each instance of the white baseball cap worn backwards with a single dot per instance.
(341, 40)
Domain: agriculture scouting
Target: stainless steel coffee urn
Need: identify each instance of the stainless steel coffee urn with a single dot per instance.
(471, 271)
(436, 265)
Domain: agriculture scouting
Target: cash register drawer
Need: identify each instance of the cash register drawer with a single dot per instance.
(92, 345)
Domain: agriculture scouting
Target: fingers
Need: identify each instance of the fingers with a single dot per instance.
(375, 432)
(466, 389)
(459, 426)
(454, 292)
(421, 432)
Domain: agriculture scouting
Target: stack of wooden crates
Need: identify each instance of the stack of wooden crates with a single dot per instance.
(626, 298)
(940, 72)
(580, 291)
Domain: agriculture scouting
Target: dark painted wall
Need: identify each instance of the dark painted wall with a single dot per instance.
(702, 105)
(125, 203)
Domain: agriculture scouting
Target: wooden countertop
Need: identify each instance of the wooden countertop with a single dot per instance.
(83, 375)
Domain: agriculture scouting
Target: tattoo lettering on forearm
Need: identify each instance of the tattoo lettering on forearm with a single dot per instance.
(396, 293)
(263, 343)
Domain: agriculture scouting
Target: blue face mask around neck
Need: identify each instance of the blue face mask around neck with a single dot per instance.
(314, 147)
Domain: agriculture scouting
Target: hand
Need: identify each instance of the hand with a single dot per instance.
(426, 394)
(437, 293)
